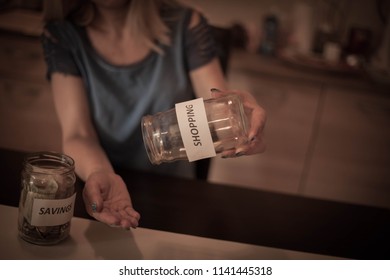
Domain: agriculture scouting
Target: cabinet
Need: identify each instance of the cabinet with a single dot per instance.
(327, 136)
(27, 117)
(291, 113)
(351, 154)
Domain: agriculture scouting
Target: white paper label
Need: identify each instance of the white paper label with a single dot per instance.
(52, 212)
(194, 129)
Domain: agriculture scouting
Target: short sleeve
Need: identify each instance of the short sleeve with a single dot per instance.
(58, 56)
(200, 44)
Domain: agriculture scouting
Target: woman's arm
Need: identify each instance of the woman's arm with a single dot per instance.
(207, 77)
(210, 76)
(79, 138)
(105, 194)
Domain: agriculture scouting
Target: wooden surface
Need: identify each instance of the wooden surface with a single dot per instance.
(229, 213)
(89, 240)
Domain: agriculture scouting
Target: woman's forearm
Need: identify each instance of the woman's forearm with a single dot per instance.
(88, 155)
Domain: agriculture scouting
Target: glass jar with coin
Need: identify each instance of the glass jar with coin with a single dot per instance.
(195, 129)
(47, 198)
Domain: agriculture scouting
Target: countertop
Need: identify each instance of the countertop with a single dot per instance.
(92, 240)
(196, 219)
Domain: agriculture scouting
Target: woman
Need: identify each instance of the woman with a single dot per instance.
(110, 63)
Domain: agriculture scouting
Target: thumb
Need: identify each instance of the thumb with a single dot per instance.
(92, 198)
(217, 93)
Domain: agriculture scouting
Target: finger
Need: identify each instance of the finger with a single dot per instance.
(132, 213)
(256, 146)
(215, 93)
(108, 217)
(129, 220)
(229, 153)
(260, 146)
(93, 200)
(257, 123)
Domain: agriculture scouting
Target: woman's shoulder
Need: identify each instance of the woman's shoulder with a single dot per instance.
(63, 28)
(182, 15)
(62, 31)
(176, 12)
(59, 26)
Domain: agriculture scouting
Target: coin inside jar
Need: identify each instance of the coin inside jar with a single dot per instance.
(47, 198)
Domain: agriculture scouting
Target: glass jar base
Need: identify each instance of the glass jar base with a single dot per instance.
(42, 242)
(45, 235)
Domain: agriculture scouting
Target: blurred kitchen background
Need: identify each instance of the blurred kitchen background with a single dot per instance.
(320, 68)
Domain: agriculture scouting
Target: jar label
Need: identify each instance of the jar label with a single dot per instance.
(194, 129)
(51, 212)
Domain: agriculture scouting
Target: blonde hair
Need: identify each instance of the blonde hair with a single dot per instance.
(144, 18)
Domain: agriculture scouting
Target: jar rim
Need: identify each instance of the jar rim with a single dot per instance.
(152, 149)
(48, 162)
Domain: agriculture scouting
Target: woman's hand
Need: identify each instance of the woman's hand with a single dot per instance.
(257, 119)
(107, 200)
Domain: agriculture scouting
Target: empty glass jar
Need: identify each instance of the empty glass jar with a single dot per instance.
(195, 129)
(47, 198)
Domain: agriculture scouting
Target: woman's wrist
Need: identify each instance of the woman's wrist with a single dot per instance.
(101, 170)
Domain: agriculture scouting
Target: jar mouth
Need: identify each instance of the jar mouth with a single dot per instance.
(49, 162)
(152, 141)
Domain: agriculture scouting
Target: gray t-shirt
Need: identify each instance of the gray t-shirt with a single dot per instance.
(119, 96)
